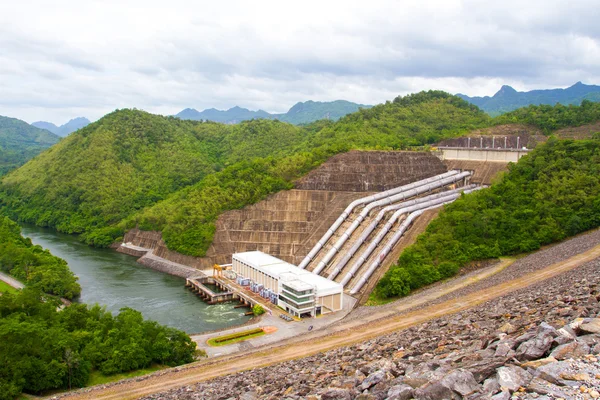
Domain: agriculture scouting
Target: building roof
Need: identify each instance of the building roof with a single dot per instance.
(287, 272)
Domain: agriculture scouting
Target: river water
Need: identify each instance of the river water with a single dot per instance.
(116, 280)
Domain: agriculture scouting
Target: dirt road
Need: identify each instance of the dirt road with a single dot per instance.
(346, 333)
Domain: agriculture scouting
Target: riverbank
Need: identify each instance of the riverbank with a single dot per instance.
(148, 259)
(115, 280)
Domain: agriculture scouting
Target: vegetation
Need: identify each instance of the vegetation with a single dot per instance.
(177, 176)
(6, 288)
(34, 265)
(98, 378)
(258, 310)
(235, 337)
(20, 142)
(508, 99)
(552, 118)
(42, 348)
(551, 194)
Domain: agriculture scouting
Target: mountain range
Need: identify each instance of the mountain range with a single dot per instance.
(300, 113)
(63, 130)
(20, 142)
(508, 99)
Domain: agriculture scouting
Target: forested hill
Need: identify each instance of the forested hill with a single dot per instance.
(176, 176)
(20, 141)
(300, 113)
(508, 99)
(108, 175)
(551, 194)
(65, 129)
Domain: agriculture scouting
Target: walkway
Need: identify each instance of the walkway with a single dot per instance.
(11, 281)
(285, 330)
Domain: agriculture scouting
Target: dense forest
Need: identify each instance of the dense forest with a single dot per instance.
(552, 118)
(33, 265)
(163, 173)
(20, 142)
(45, 346)
(115, 172)
(550, 194)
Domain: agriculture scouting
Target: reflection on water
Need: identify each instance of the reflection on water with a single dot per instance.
(115, 280)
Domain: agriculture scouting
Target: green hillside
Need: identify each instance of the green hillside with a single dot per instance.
(550, 194)
(177, 176)
(187, 218)
(20, 142)
(33, 265)
(108, 176)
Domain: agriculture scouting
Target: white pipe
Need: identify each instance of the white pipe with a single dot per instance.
(363, 237)
(388, 200)
(365, 200)
(392, 242)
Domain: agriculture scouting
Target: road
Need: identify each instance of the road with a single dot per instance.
(11, 281)
(343, 334)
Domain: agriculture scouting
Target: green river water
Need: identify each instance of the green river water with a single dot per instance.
(116, 280)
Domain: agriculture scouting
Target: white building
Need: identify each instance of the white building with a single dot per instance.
(299, 292)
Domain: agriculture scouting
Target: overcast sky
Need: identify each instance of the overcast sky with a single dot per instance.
(63, 59)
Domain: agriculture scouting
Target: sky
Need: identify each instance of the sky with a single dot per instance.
(62, 59)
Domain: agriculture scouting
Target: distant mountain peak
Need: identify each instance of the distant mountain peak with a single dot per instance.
(508, 99)
(506, 89)
(300, 113)
(63, 130)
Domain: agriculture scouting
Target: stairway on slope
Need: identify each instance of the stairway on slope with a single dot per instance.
(278, 225)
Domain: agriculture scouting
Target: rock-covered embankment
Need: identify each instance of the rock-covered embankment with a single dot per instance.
(541, 342)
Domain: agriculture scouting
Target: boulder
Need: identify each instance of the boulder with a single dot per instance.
(535, 348)
(504, 349)
(460, 381)
(590, 326)
(490, 386)
(538, 363)
(435, 391)
(373, 379)
(400, 392)
(337, 394)
(541, 386)
(483, 369)
(570, 350)
(504, 395)
(552, 372)
(512, 377)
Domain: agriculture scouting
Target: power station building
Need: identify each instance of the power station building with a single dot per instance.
(296, 290)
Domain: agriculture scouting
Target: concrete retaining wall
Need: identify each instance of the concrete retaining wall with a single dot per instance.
(504, 155)
(169, 268)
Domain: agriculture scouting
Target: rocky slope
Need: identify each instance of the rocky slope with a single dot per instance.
(541, 341)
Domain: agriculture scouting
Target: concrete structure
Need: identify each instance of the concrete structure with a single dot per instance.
(298, 291)
(501, 155)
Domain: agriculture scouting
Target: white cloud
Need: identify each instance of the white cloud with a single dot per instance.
(68, 58)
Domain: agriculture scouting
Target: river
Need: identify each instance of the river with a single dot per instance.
(116, 280)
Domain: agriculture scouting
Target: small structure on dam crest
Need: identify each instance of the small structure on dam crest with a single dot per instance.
(298, 291)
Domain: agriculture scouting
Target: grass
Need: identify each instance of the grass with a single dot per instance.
(97, 378)
(235, 337)
(6, 288)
